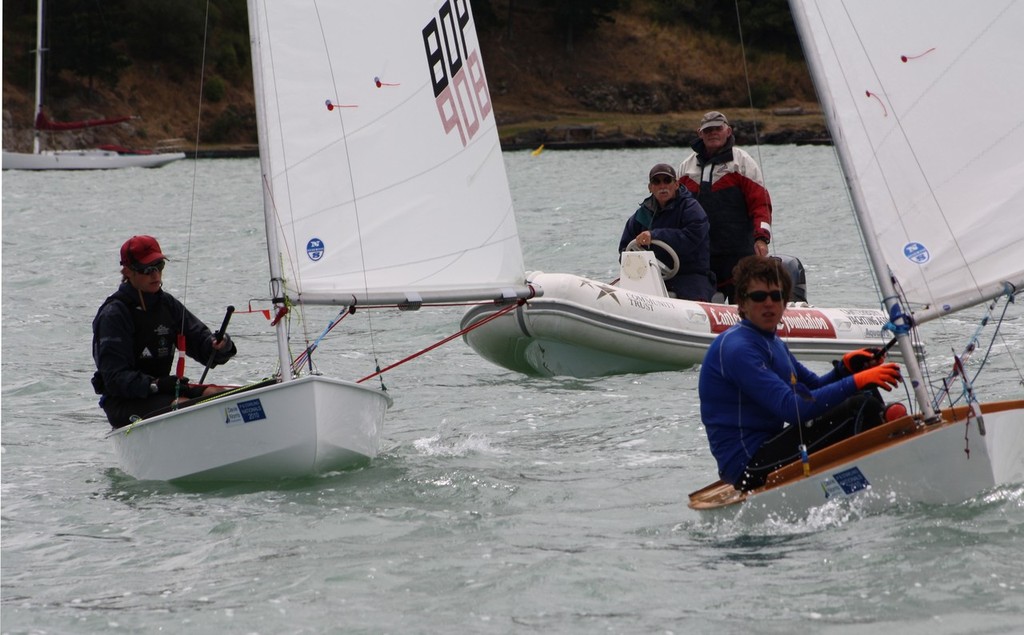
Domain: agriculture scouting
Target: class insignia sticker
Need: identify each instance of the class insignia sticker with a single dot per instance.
(315, 249)
(916, 252)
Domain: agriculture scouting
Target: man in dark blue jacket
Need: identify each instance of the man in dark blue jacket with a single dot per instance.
(674, 217)
(134, 338)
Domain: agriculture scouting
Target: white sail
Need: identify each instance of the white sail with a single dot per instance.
(925, 101)
(381, 153)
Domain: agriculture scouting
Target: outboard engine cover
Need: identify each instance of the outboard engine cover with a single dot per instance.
(797, 274)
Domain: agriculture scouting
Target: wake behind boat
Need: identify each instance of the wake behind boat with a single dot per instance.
(370, 140)
(585, 328)
(896, 93)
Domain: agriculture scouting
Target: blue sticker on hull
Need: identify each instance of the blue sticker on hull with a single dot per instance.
(244, 412)
(846, 482)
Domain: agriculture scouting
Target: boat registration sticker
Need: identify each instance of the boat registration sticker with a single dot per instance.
(244, 412)
(845, 483)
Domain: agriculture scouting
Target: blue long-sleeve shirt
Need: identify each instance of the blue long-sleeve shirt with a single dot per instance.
(747, 395)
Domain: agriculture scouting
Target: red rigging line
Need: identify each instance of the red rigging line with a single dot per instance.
(496, 314)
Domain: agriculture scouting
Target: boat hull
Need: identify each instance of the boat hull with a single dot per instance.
(585, 328)
(300, 428)
(900, 461)
(86, 160)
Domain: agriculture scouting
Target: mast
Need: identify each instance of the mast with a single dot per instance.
(273, 253)
(39, 75)
(879, 266)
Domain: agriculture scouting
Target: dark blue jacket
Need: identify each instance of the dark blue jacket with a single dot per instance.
(132, 346)
(684, 226)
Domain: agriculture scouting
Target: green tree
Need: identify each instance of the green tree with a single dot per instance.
(575, 18)
(80, 36)
(767, 25)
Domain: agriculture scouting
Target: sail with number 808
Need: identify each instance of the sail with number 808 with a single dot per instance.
(381, 152)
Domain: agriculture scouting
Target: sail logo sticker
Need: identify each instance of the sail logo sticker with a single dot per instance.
(315, 249)
(244, 412)
(456, 73)
(916, 252)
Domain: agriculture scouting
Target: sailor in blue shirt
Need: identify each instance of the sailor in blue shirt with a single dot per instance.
(759, 404)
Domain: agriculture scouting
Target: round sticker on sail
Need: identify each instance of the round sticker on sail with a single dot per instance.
(916, 252)
(315, 249)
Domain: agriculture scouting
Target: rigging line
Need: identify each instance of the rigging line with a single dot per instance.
(750, 94)
(305, 354)
(195, 163)
(469, 328)
(960, 361)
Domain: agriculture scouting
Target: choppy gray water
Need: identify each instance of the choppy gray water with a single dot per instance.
(502, 504)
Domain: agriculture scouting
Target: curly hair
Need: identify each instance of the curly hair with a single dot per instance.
(767, 269)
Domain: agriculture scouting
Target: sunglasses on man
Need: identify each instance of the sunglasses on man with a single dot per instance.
(761, 296)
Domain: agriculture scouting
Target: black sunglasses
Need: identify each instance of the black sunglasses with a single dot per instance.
(662, 180)
(148, 270)
(761, 296)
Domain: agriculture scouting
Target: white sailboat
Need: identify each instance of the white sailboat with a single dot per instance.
(383, 183)
(86, 159)
(929, 134)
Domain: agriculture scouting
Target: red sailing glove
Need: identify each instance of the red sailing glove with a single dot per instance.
(886, 377)
(856, 361)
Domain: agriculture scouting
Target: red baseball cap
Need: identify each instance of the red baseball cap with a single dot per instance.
(141, 250)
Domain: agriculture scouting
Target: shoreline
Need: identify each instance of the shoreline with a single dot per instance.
(586, 137)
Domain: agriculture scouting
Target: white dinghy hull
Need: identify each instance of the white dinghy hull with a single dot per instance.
(585, 328)
(86, 160)
(901, 461)
(302, 428)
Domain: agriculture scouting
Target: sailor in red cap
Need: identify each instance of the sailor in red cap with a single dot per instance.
(134, 336)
